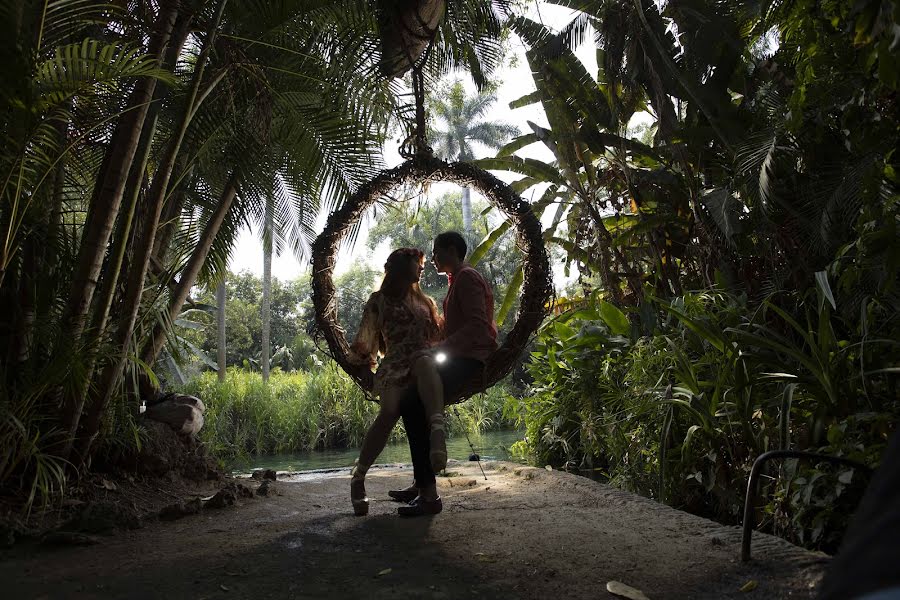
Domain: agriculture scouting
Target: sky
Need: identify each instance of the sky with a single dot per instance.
(516, 81)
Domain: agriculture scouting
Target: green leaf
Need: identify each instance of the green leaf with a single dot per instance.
(525, 166)
(512, 292)
(614, 318)
(488, 242)
(517, 144)
(824, 289)
(784, 419)
(147, 370)
(835, 434)
(700, 329)
(81, 67)
(563, 331)
(201, 355)
(526, 100)
(689, 435)
(189, 324)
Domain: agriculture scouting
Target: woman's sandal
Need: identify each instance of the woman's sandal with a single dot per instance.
(358, 497)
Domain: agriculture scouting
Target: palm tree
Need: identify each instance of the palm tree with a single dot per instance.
(462, 124)
(220, 329)
(266, 307)
(136, 146)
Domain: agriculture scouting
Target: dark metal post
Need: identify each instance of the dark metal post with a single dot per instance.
(750, 498)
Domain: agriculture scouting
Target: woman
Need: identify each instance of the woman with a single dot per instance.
(399, 322)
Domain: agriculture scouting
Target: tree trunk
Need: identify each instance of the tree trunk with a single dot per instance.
(220, 329)
(111, 184)
(266, 293)
(114, 267)
(143, 249)
(168, 224)
(104, 210)
(192, 268)
(123, 235)
(467, 216)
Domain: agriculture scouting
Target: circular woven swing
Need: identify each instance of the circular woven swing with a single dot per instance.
(536, 290)
(421, 167)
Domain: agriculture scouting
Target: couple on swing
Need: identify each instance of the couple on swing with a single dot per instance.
(426, 358)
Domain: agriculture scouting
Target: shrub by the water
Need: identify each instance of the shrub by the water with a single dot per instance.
(308, 411)
(678, 409)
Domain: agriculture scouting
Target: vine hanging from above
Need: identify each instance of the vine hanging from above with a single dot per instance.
(537, 289)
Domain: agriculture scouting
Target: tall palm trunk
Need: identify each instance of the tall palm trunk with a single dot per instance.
(467, 215)
(267, 293)
(103, 304)
(169, 220)
(134, 287)
(192, 268)
(220, 329)
(110, 187)
(104, 210)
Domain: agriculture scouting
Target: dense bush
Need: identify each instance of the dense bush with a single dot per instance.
(679, 403)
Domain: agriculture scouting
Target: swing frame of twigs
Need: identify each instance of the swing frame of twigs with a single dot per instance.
(537, 290)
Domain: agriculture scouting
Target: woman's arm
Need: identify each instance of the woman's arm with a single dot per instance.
(364, 349)
(436, 333)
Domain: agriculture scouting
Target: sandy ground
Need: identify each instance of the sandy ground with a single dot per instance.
(523, 533)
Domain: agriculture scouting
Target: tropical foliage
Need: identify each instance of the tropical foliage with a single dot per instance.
(457, 128)
(738, 260)
(139, 137)
(291, 317)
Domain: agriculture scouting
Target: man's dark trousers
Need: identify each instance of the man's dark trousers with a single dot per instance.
(454, 373)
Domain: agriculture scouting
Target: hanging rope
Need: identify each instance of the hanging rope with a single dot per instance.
(416, 144)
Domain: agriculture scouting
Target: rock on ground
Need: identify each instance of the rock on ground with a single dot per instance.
(523, 533)
(182, 413)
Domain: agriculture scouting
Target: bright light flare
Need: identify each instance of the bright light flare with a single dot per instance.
(440, 357)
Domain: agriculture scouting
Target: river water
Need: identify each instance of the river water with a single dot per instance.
(491, 445)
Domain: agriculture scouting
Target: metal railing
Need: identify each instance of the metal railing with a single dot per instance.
(753, 485)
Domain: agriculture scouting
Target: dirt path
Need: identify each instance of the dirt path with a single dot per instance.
(523, 533)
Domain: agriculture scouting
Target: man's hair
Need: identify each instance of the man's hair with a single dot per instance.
(452, 239)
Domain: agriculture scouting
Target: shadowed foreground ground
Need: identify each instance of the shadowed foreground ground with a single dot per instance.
(523, 533)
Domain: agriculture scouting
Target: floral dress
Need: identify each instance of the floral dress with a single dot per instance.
(397, 329)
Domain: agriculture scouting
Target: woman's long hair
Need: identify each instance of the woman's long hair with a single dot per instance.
(396, 285)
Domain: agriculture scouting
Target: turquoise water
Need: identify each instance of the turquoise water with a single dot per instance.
(492, 445)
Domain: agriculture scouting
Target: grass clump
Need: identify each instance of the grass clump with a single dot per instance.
(301, 410)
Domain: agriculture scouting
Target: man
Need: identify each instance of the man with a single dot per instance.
(470, 336)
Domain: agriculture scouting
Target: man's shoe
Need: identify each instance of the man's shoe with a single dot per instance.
(420, 507)
(404, 496)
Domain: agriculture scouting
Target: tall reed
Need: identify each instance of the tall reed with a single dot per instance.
(301, 410)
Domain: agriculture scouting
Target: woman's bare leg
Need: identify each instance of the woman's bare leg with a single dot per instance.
(431, 391)
(374, 442)
(380, 430)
